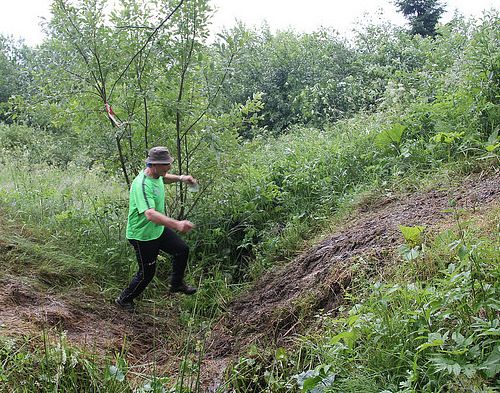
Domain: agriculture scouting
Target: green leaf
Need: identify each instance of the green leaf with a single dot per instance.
(469, 370)
(492, 364)
(349, 338)
(310, 383)
(490, 148)
(409, 254)
(390, 137)
(463, 252)
(434, 343)
(445, 364)
(412, 235)
(447, 137)
(493, 138)
(313, 381)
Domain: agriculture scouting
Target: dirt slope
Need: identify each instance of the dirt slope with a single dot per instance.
(271, 311)
(30, 306)
(92, 324)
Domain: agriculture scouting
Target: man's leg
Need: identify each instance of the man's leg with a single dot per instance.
(146, 253)
(172, 244)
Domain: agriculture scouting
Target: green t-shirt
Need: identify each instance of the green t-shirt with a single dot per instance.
(145, 193)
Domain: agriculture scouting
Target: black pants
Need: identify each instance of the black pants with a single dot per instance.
(147, 252)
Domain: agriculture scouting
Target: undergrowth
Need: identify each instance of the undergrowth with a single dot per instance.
(412, 332)
(268, 197)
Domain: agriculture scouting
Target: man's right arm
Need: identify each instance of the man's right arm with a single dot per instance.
(161, 219)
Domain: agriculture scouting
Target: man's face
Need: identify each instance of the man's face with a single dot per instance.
(161, 169)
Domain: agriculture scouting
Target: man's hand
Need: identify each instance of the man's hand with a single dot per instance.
(188, 179)
(170, 178)
(184, 226)
(161, 219)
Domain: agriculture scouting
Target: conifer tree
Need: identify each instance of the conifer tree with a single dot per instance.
(423, 15)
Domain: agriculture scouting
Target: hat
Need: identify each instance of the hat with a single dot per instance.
(159, 155)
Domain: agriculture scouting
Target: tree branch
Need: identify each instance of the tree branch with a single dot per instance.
(144, 46)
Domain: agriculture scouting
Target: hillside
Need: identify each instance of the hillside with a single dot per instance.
(279, 306)
(345, 227)
(282, 303)
(271, 308)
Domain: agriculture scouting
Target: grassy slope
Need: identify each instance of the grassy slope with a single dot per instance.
(47, 269)
(424, 327)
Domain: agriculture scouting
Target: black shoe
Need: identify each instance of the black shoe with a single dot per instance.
(128, 306)
(182, 288)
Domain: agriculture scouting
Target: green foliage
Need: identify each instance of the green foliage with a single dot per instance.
(14, 56)
(414, 242)
(297, 77)
(271, 193)
(412, 235)
(56, 367)
(390, 137)
(317, 380)
(38, 146)
(280, 129)
(124, 59)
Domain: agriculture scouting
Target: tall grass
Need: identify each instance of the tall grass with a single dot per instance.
(81, 213)
(38, 365)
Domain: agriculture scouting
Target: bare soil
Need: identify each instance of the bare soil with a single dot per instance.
(92, 324)
(273, 310)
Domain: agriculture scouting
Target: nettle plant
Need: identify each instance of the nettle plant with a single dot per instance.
(414, 242)
(436, 334)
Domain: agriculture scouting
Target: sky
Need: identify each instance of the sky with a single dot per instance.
(21, 18)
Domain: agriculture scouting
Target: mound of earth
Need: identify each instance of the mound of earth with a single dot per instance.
(273, 309)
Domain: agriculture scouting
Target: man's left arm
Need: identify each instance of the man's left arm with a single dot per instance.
(170, 178)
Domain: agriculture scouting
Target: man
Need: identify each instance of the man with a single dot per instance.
(149, 230)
